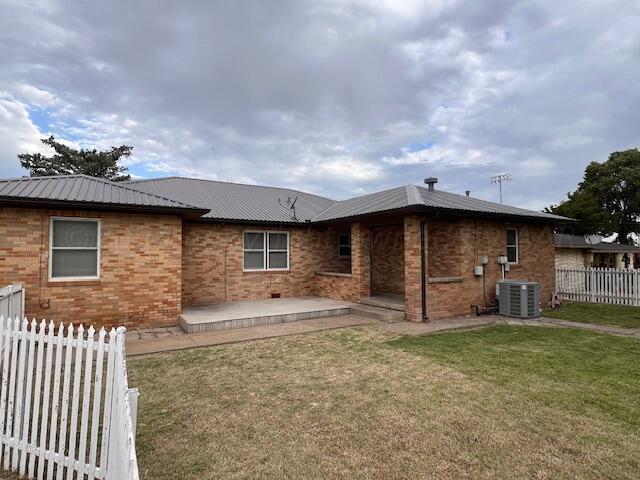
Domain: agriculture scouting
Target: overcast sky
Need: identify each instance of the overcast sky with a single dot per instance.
(333, 97)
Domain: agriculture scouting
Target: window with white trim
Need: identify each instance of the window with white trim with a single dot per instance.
(266, 250)
(74, 249)
(512, 245)
(344, 245)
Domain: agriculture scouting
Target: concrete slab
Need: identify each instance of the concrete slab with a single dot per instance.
(252, 313)
(393, 301)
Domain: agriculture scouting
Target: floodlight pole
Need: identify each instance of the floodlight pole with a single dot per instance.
(503, 177)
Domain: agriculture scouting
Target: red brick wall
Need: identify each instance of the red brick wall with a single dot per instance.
(140, 268)
(213, 263)
(477, 238)
(445, 248)
(413, 268)
(336, 287)
(387, 243)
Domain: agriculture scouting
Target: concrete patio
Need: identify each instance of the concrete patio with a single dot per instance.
(254, 313)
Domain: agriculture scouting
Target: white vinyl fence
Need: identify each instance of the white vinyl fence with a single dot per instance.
(65, 403)
(12, 301)
(599, 285)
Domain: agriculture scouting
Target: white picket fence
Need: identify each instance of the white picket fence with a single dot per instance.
(599, 285)
(65, 402)
(12, 301)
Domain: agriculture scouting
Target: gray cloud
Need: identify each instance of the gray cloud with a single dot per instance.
(329, 96)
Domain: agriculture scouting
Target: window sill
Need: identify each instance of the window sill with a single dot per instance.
(257, 272)
(73, 283)
(334, 274)
(445, 279)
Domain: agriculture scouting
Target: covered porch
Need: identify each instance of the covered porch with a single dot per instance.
(407, 263)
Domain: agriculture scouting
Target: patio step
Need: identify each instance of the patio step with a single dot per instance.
(389, 302)
(377, 313)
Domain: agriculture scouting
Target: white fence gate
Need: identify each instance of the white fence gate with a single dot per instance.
(65, 403)
(599, 285)
(12, 301)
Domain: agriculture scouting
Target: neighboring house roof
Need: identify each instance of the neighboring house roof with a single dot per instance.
(563, 240)
(412, 196)
(235, 201)
(606, 247)
(85, 191)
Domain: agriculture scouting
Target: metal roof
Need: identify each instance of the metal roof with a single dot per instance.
(421, 197)
(216, 200)
(237, 202)
(606, 247)
(563, 240)
(83, 190)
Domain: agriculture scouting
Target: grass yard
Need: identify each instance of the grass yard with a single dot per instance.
(618, 315)
(361, 403)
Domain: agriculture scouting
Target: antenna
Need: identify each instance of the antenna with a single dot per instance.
(290, 205)
(501, 177)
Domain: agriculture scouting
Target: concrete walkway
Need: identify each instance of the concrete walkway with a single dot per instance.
(173, 338)
(409, 328)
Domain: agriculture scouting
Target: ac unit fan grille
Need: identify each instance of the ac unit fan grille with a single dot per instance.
(514, 300)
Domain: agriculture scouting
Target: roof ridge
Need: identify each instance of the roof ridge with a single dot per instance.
(413, 195)
(230, 183)
(131, 189)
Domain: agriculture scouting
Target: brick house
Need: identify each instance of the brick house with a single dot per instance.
(136, 253)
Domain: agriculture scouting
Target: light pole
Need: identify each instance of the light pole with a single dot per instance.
(502, 177)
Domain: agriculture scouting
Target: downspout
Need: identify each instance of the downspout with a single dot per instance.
(423, 283)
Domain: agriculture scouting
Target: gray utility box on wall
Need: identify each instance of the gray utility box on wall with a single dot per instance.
(518, 298)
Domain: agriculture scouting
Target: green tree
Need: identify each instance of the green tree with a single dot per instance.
(607, 201)
(69, 161)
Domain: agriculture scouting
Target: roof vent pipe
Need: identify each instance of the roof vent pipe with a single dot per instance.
(467, 192)
(431, 182)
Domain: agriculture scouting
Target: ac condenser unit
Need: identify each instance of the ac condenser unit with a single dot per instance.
(518, 298)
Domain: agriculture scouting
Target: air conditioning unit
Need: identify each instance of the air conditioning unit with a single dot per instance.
(518, 298)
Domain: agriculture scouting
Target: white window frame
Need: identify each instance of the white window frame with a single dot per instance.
(348, 235)
(265, 249)
(98, 248)
(517, 245)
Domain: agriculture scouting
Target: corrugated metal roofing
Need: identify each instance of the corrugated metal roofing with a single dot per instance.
(234, 201)
(414, 196)
(84, 189)
(239, 202)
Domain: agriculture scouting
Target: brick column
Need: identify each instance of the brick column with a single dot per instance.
(360, 260)
(412, 268)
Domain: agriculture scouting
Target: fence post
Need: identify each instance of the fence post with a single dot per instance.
(592, 278)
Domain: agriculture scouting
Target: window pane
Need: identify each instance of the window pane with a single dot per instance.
(253, 260)
(277, 260)
(512, 254)
(254, 241)
(345, 251)
(511, 237)
(277, 241)
(67, 233)
(344, 239)
(74, 263)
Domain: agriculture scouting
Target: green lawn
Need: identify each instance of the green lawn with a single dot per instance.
(618, 315)
(362, 403)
